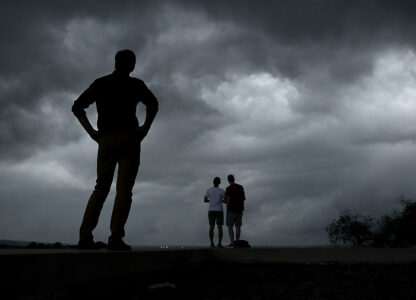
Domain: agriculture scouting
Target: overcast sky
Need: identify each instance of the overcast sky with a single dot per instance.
(310, 104)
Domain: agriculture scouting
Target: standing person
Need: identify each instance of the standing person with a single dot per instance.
(119, 137)
(234, 197)
(215, 197)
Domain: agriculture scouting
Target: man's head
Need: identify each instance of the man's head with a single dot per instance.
(231, 178)
(125, 61)
(217, 181)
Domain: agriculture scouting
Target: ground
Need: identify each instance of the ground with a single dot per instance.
(259, 281)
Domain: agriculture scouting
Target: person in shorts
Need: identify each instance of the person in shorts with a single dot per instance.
(234, 197)
(215, 197)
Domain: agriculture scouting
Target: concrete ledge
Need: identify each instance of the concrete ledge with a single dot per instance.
(316, 255)
(31, 272)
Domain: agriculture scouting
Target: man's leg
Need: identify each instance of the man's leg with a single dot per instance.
(211, 221)
(237, 232)
(128, 166)
(211, 234)
(231, 233)
(238, 223)
(229, 222)
(219, 235)
(220, 222)
(106, 164)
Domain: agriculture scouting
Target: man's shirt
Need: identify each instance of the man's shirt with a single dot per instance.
(116, 98)
(237, 197)
(215, 196)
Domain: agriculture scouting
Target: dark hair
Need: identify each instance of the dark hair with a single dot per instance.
(125, 60)
(231, 178)
(217, 181)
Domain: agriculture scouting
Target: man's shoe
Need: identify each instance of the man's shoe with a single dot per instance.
(220, 246)
(212, 245)
(87, 245)
(118, 246)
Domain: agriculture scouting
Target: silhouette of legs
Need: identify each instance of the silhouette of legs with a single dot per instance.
(106, 164)
(231, 233)
(234, 218)
(219, 235)
(237, 232)
(211, 234)
(128, 166)
(123, 149)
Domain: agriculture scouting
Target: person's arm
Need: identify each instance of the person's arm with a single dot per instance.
(152, 107)
(85, 100)
(206, 197)
(227, 201)
(88, 127)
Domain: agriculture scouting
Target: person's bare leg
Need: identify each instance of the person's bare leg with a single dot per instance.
(231, 233)
(237, 232)
(211, 234)
(219, 235)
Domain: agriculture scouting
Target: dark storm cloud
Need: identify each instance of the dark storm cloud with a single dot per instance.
(46, 62)
(307, 102)
(311, 32)
(288, 38)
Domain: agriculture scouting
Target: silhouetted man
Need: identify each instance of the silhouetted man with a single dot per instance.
(119, 137)
(215, 196)
(234, 197)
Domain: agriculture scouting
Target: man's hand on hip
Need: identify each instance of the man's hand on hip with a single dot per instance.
(95, 135)
(142, 132)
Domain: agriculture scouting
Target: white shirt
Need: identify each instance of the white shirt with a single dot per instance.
(215, 196)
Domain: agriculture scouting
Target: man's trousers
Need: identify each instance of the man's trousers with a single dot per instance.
(122, 149)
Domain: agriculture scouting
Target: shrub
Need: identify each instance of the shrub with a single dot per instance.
(395, 230)
(351, 230)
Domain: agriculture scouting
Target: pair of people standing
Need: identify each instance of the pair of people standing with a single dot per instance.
(234, 198)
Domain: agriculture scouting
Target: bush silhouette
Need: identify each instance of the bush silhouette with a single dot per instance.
(395, 230)
(398, 229)
(351, 230)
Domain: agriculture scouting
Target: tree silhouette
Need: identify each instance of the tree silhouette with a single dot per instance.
(398, 229)
(351, 230)
(395, 230)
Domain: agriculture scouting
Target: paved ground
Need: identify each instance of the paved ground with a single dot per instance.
(281, 273)
(254, 255)
(260, 281)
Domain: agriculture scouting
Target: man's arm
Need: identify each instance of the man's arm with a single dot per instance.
(227, 201)
(150, 116)
(206, 199)
(85, 100)
(152, 107)
(88, 127)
